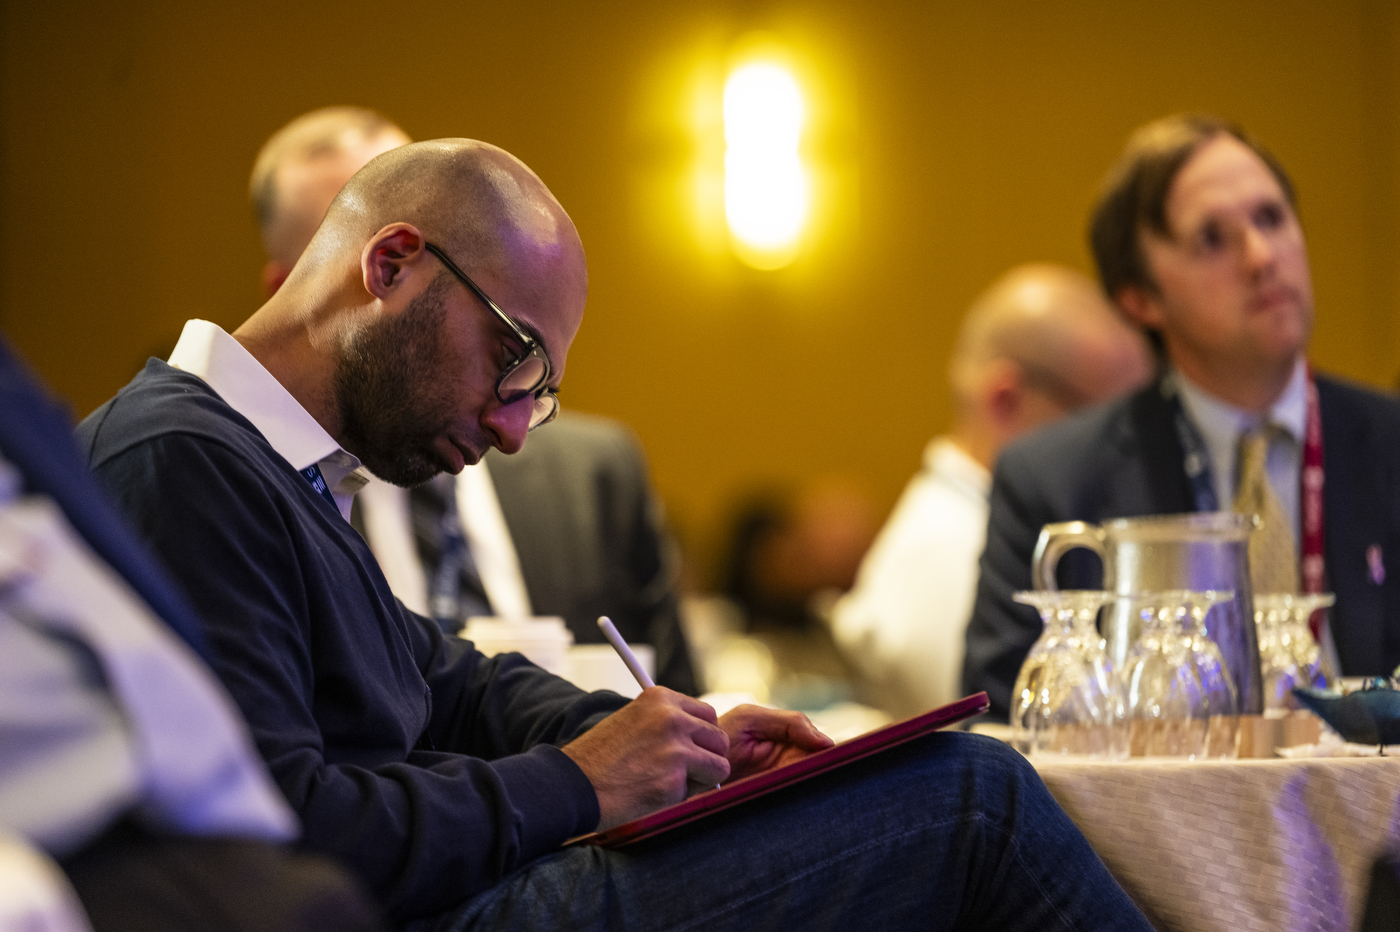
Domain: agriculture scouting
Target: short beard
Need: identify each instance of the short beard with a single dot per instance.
(387, 389)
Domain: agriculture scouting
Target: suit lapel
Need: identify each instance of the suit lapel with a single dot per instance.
(1148, 441)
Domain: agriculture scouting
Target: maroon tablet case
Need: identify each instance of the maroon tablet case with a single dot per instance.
(759, 784)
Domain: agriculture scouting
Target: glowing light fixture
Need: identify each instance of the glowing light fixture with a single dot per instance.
(765, 184)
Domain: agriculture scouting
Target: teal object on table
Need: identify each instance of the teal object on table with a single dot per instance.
(1368, 716)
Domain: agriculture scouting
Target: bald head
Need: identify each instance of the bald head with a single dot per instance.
(1039, 343)
(395, 354)
(299, 171)
(485, 207)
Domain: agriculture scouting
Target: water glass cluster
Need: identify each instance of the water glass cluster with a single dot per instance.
(1181, 700)
(1171, 696)
(1288, 654)
(1067, 697)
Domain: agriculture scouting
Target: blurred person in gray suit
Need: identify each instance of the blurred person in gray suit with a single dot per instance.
(1041, 342)
(569, 526)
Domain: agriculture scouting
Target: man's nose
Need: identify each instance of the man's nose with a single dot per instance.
(1257, 250)
(509, 423)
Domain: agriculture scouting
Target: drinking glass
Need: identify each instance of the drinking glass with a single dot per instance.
(1288, 654)
(1222, 701)
(1180, 698)
(1067, 698)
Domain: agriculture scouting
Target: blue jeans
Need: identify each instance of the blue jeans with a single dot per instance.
(952, 831)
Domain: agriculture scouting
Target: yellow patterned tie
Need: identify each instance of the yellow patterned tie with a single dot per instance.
(1273, 558)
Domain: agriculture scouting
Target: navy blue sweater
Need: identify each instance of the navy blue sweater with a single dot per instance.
(428, 769)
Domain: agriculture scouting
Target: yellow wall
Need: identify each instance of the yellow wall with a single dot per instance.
(956, 139)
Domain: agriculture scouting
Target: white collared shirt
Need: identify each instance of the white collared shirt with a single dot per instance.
(207, 351)
(1221, 425)
(903, 624)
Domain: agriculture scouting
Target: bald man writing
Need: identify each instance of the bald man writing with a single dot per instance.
(448, 780)
(568, 527)
(1039, 343)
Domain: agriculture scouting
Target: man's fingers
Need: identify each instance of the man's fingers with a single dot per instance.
(706, 771)
(710, 738)
(652, 752)
(691, 718)
(756, 723)
(701, 710)
(791, 728)
(761, 738)
(692, 707)
(805, 735)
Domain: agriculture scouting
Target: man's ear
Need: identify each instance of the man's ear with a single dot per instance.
(389, 256)
(273, 275)
(1003, 389)
(1141, 305)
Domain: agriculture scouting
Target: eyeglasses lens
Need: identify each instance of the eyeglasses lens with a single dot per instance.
(524, 378)
(546, 406)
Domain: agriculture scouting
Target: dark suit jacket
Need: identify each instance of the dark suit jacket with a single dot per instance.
(1123, 459)
(591, 539)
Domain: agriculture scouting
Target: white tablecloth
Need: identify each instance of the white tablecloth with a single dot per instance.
(1268, 845)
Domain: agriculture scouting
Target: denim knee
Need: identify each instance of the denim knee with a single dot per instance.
(993, 778)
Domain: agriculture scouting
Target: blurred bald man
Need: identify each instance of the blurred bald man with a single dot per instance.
(1039, 343)
(568, 527)
(300, 170)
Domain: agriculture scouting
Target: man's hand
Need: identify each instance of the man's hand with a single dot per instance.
(651, 753)
(761, 739)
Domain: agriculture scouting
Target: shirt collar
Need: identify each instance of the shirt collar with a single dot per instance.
(1291, 410)
(207, 351)
(945, 459)
(1215, 417)
(1221, 423)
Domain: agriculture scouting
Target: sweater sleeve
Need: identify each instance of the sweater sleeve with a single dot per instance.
(426, 768)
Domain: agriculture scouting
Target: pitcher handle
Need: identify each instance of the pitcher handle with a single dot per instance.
(1055, 540)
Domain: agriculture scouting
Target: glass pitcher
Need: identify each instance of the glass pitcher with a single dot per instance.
(1198, 551)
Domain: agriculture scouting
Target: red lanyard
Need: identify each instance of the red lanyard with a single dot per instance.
(1313, 566)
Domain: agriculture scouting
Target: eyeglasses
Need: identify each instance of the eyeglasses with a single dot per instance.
(523, 376)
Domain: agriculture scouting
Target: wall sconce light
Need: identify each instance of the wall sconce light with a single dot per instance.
(766, 187)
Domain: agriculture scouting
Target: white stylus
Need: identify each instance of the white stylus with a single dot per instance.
(610, 632)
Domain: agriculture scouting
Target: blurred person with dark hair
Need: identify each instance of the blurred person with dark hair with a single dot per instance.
(1197, 239)
(790, 554)
(569, 526)
(1039, 343)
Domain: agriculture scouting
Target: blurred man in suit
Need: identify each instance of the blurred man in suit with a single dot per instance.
(567, 527)
(1039, 343)
(1197, 240)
